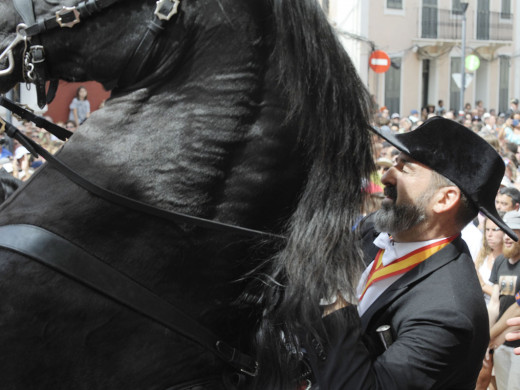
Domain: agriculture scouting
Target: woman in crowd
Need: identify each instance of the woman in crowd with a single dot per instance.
(491, 248)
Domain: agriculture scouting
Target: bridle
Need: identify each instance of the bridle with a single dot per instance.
(149, 305)
(35, 66)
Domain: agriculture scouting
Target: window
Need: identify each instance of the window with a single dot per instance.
(503, 89)
(394, 4)
(393, 86)
(505, 11)
(429, 19)
(483, 20)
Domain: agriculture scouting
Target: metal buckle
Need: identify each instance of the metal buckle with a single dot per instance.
(65, 11)
(165, 3)
(37, 49)
(252, 374)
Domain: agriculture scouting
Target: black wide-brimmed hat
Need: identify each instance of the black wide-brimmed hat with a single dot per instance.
(460, 155)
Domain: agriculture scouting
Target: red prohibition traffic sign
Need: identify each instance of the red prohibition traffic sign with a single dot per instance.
(379, 61)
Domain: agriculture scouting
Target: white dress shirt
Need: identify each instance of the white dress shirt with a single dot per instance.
(393, 251)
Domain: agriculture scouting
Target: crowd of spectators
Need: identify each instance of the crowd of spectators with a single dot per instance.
(484, 239)
(502, 131)
(16, 160)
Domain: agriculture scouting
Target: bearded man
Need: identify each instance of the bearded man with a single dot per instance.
(420, 321)
(505, 277)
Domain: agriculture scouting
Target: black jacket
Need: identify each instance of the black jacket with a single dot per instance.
(439, 325)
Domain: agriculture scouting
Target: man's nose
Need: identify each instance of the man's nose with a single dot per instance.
(389, 176)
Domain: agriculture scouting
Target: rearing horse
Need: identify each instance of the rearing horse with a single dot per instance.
(247, 112)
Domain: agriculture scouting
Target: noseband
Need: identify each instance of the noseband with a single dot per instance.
(35, 70)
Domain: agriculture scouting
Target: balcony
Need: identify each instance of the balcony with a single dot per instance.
(446, 25)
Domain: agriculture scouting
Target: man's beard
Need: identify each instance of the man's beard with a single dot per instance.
(392, 218)
(513, 252)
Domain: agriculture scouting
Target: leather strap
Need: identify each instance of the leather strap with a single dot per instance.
(139, 58)
(51, 92)
(37, 55)
(52, 128)
(141, 53)
(84, 9)
(63, 256)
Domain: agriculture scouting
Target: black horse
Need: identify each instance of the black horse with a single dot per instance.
(247, 112)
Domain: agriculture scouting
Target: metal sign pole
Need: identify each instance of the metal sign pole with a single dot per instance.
(464, 7)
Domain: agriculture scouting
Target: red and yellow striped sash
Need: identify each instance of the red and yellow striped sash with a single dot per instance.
(403, 264)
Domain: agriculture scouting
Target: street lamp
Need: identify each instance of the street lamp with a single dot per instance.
(464, 7)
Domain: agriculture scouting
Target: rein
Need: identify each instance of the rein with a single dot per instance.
(99, 275)
(105, 193)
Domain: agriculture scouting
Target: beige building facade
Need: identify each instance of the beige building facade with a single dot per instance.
(424, 40)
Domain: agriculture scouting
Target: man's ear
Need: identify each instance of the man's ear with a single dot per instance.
(446, 199)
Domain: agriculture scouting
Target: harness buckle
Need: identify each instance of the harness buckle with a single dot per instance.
(67, 11)
(37, 54)
(166, 9)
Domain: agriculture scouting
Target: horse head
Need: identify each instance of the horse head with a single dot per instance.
(75, 47)
(245, 112)
(90, 40)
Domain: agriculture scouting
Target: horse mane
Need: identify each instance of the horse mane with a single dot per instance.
(330, 105)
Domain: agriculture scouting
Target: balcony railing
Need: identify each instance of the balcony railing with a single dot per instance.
(445, 24)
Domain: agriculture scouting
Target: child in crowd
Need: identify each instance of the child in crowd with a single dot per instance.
(80, 106)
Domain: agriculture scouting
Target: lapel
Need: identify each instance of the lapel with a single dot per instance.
(430, 265)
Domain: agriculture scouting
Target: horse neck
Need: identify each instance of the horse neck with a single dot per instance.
(211, 145)
(205, 142)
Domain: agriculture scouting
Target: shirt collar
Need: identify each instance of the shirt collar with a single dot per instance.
(395, 250)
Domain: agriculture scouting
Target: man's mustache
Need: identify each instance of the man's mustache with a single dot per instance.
(391, 192)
